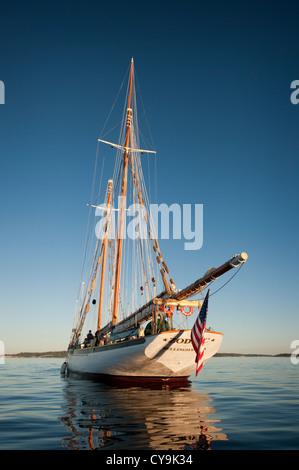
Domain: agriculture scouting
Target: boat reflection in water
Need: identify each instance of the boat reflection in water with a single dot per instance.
(101, 416)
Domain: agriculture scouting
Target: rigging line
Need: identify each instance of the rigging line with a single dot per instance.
(226, 281)
(119, 160)
(112, 276)
(116, 176)
(149, 178)
(119, 154)
(156, 178)
(121, 86)
(148, 251)
(94, 176)
(138, 90)
(94, 173)
(88, 291)
(90, 217)
(101, 178)
(89, 227)
(87, 234)
(140, 242)
(93, 272)
(114, 127)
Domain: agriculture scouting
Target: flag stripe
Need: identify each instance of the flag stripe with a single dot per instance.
(197, 334)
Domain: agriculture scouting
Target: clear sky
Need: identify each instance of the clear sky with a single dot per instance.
(215, 80)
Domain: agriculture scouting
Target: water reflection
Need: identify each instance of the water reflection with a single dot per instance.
(102, 416)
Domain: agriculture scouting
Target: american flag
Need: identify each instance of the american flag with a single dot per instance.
(197, 333)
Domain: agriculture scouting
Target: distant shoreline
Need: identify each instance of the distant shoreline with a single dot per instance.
(38, 354)
(63, 354)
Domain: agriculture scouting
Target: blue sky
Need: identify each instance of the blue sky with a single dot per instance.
(215, 82)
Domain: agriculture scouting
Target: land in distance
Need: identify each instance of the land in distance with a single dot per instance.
(64, 353)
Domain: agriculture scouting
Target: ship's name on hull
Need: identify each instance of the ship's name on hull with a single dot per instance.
(179, 341)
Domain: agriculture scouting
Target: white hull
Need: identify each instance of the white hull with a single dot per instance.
(168, 355)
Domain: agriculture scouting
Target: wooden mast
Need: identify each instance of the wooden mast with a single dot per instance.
(123, 201)
(105, 242)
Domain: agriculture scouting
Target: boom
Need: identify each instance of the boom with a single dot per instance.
(145, 312)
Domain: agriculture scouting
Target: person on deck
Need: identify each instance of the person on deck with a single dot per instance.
(89, 337)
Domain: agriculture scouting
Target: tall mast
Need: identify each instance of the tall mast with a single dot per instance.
(122, 204)
(105, 242)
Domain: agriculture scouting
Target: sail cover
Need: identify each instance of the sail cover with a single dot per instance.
(124, 334)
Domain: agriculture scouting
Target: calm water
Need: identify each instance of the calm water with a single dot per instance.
(234, 404)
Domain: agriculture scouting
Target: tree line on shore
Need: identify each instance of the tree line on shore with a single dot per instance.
(63, 354)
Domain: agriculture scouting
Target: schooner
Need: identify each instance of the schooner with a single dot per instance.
(136, 336)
